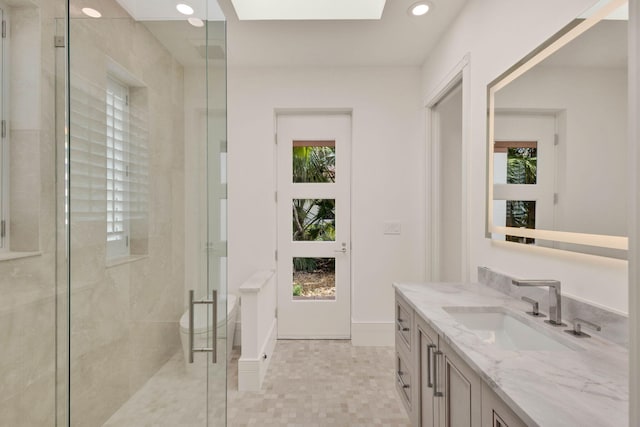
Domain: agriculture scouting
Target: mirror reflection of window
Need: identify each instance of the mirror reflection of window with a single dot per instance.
(521, 214)
(516, 214)
(515, 162)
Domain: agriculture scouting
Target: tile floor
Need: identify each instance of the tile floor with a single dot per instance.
(309, 383)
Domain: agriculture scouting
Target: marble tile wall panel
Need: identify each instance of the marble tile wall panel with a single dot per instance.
(25, 182)
(615, 326)
(132, 308)
(107, 368)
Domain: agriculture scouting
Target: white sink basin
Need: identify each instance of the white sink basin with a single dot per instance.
(495, 325)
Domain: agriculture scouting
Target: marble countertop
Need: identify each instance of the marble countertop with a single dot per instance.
(585, 385)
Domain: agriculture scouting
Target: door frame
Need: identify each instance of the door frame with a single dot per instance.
(305, 111)
(459, 75)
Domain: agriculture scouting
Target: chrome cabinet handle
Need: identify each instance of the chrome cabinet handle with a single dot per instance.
(429, 364)
(401, 326)
(436, 393)
(192, 303)
(401, 381)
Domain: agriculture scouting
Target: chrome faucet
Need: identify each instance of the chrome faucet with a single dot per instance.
(555, 301)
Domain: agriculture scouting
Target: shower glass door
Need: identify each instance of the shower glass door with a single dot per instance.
(144, 173)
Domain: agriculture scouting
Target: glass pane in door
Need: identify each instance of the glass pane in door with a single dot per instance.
(314, 161)
(314, 278)
(216, 217)
(314, 220)
(147, 263)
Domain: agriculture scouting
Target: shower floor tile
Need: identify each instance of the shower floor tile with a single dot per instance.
(309, 383)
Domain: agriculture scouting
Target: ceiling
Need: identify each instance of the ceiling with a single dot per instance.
(603, 45)
(396, 40)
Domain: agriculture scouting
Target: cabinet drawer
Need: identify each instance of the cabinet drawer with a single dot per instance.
(404, 381)
(404, 324)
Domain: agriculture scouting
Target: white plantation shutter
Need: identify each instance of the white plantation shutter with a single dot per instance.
(87, 152)
(117, 142)
(109, 161)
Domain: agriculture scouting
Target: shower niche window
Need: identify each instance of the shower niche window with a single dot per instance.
(126, 167)
(4, 167)
(21, 137)
(117, 169)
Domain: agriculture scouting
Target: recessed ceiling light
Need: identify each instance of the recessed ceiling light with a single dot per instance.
(184, 9)
(196, 22)
(419, 9)
(91, 12)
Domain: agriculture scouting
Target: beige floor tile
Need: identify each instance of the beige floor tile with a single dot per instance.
(309, 383)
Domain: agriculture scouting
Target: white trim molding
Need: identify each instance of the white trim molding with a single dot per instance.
(459, 75)
(251, 371)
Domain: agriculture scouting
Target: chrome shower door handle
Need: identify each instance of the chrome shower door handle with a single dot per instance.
(214, 325)
(192, 303)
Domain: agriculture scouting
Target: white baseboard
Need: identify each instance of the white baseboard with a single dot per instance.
(373, 334)
(251, 372)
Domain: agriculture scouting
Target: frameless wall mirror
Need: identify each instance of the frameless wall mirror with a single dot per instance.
(557, 140)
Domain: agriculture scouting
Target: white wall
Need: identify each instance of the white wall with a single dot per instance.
(387, 173)
(516, 28)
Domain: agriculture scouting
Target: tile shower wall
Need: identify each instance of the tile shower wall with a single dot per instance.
(124, 317)
(28, 284)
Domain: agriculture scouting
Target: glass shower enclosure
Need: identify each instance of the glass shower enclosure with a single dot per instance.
(141, 207)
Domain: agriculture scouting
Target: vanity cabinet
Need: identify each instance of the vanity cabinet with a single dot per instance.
(437, 387)
(495, 413)
(405, 369)
(449, 388)
(428, 345)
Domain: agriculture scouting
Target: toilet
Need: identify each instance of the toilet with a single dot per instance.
(226, 324)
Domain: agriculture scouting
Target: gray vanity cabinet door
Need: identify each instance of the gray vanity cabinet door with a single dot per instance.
(427, 345)
(495, 413)
(461, 404)
(404, 325)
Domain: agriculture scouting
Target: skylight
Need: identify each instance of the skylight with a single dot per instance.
(260, 10)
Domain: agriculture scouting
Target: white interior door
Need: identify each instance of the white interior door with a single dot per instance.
(314, 247)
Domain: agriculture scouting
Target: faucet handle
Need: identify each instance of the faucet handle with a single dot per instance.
(577, 328)
(534, 307)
